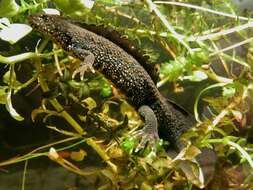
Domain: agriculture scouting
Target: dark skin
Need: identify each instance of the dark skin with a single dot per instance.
(123, 70)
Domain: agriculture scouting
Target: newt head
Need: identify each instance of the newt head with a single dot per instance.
(53, 26)
(43, 23)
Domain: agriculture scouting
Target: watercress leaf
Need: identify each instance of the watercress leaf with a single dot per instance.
(74, 7)
(106, 91)
(14, 32)
(78, 155)
(8, 8)
(11, 109)
(115, 2)
(198, 58)
(172, 69)
(4, 22)
(3, 94)
(51, 11)
(128, 145)
(192, 172)
(228, 91)
(6, 79)
(197, 76)
(91, 103)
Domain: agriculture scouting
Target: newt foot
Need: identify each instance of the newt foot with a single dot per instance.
(86, 65)
(146, 137)
(149, 134)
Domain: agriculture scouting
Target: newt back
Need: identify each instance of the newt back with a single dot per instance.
(124, 43)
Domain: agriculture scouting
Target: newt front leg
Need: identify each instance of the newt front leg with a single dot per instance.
(87, 64)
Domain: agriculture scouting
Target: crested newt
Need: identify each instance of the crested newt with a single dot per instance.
(108, 53)
(133, 77)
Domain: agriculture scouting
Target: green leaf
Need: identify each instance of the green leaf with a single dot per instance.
(10, 108)
(51, 11)
(4, 22)
(228, 91)
(8, 8)
(128, 145)
(192, 172)
(14, 32)
(15, 82)
(91, 103)
(196, 76)
(74, 7)
(106, 91)
(78, 155)
(173, 69)
(3, 94)
(146, 186)
(114, 2)
(198, 58)
(191, 152)
(217, 85)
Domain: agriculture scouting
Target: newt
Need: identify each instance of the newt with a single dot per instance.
(121, 68)
(129, 73)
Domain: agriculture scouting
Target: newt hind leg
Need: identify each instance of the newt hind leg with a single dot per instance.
(149, 134)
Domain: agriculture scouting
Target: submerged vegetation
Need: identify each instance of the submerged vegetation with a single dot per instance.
(203, 50)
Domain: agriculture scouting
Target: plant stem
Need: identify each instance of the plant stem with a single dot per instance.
(60, 109)
(179, 37)
(33, 153)
(24, 56)
(221, 33)
(203, 9)
(102, 154)
(72, 122)
(226, 141)
(27, 83)
(232, 47)
(24, 175)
